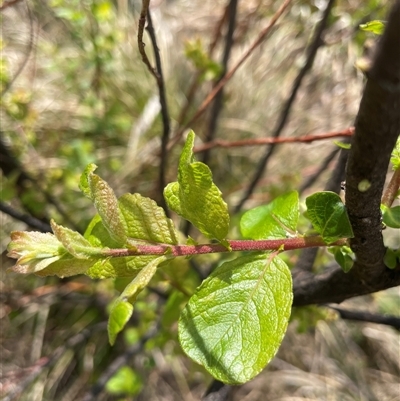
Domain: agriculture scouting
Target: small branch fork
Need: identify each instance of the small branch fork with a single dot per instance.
(231, 72)
(158, 75)
(235, 246)
(220, 143)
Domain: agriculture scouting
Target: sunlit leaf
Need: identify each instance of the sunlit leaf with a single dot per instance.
(122, 308)
(74, 242)
(391, 216)
(376, 27)
(105, 202)
(328, 216)
(145, 220)
(196, 198)
(276, 220)
(234, 324)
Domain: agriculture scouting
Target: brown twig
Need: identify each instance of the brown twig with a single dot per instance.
(268, 141)
(284, 115)
(164, 113)
(263, 34)
(218, 100)
(392, 189)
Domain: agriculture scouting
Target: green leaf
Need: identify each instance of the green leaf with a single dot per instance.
(74, 242)
(391, 216)
(196, 198)
(328, 216)
(34, 251)
(99, 237)
(376, 27)
(146, 221)
(235, 322)
(125, 381)
(342, 145)
(122, 308)
(395, 157)
(276, 220)
(391, 258)
(343, 257)
(105, 203)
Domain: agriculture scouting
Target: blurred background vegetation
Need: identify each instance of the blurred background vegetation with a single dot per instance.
(75, 91)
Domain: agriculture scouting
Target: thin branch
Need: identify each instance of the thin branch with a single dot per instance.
(141, 44)
(195, 81)
(164, 113)
(367, 317)
(219, 143)
(392, 189)
(311, 53)
(218, 100)
(31, 221)
(234, 246)
(29, 48)
(321, 169)
(232, 71)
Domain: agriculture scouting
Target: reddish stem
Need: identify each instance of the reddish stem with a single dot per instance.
(235, 245)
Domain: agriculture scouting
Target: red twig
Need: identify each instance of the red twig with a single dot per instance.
(235, 245)
(392, 189)
(267, 141)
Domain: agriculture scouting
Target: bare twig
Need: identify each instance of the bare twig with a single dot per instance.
(268, 141)
(392, 189)
(158, 75)
(28, 49)
(31, 221)
(263, 34)
(218, 100)
(322, 168)
(367, 317)
(311, 53)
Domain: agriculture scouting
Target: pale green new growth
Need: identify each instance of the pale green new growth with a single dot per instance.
(122, 307)
(196, 198)
(233, 325)
(105, 203)
(276, 220)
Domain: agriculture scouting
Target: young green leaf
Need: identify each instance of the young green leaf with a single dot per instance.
(105, 203)
(377, 27)
(146, 221)
(122, 308)
(395, 157)
(391, 216)
(74, 242)
(196, 198)
(328, 216)
(235, 322)
(34, 251)
(98, 236)
(391, 258)
(343, 257)
(276, 220)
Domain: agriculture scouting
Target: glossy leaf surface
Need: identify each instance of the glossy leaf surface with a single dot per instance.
(234, 323)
